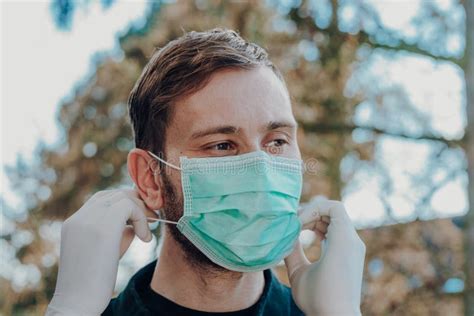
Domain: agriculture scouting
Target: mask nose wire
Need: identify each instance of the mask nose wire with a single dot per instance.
(163, 161)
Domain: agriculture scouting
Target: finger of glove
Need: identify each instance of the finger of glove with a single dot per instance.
(341, 229)
(105, 195)
(308, 217)
(130, 209)
(321, 228)
(335, 210)
(135, 197)
(296, 260)
(326, 219)
(95, 207)
(319, 236)
(309, 213)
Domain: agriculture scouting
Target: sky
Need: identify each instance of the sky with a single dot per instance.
(40, 66)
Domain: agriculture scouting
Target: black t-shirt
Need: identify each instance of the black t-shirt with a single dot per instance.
(139, 299)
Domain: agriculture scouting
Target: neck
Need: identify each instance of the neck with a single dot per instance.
(186, 285)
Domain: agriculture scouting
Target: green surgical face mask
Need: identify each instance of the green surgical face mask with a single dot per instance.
(241, 211)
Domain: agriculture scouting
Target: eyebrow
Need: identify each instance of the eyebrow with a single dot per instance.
(281, 124)
(229, 129)
(225, 129)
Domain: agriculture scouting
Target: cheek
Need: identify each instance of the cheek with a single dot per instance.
(178, 188)
(174, 179)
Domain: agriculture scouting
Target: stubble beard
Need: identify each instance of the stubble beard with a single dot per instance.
(173, 210)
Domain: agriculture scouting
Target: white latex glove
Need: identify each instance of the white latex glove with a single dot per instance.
(92, 241)
(332, 285)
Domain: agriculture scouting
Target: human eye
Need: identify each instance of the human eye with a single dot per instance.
(276, 146)
(221, 146)
(277, 142)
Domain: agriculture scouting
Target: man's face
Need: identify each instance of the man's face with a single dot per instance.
(237, 112)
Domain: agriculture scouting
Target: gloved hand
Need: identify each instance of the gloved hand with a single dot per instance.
(332, 285)
(92, 241)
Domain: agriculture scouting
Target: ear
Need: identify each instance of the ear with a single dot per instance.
(141, 167)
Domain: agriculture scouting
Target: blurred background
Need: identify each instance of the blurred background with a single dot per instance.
(382, 90)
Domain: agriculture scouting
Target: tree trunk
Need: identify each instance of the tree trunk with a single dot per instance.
(469, 227)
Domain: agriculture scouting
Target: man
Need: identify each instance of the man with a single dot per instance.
(206, 101)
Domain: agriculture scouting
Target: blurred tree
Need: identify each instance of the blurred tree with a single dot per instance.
(322, 50)
(469, 227)
(62, 11)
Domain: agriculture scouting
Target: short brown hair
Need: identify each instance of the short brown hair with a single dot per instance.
(181, 68)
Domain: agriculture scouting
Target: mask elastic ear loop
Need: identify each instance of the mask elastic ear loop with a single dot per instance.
(154, 167)
(163, 161)
(162, 220)
(157, 212)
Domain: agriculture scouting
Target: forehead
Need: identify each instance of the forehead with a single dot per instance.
(244, 98)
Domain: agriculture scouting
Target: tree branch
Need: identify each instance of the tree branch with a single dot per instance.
(404, 46)
(400, 45)
(323, 128)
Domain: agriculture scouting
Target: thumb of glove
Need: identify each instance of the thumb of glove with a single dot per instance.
(340, 230)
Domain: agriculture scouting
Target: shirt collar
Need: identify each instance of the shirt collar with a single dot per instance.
(132, 296)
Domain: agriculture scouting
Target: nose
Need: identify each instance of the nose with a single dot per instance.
(251, 145)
